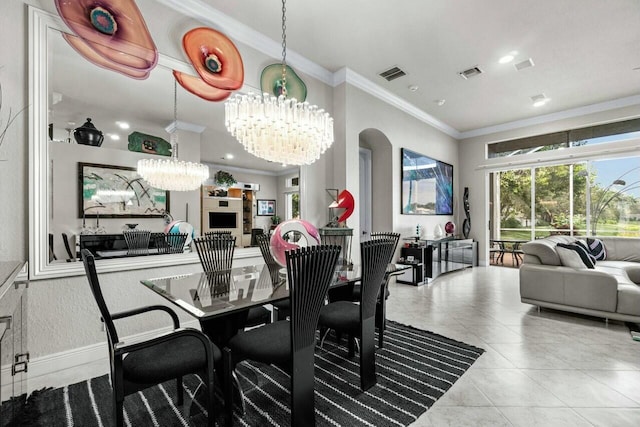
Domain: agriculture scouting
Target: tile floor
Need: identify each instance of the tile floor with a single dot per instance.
(546, 368)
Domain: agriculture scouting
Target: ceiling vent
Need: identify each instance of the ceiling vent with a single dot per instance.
(524, 64)
(392, 74)
(471, 72)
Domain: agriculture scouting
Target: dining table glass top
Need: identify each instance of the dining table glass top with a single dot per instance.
(209, 295)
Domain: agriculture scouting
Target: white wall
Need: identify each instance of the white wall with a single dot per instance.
(365, 112)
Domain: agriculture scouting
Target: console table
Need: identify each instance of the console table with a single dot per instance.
(433, 257)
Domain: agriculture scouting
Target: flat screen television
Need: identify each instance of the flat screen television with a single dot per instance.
(427, 185)
(223, 219)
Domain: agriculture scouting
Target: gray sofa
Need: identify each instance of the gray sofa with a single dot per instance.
(611, 290)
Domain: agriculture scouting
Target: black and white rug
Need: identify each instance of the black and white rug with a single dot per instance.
(414, 369)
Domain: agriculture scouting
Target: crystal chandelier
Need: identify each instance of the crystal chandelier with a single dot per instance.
(279, 129)
(173, 174)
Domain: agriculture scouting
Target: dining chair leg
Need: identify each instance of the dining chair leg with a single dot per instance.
(211, 419)
(302, 387)
(351, 344)
(227, 386)
(367, 354)
(118, 412)
(179, 391)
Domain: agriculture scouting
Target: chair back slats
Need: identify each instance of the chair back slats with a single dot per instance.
(137, 241)
(216, 252)
(217, 233)
(310, 271)
(171, 243)
(264, 243)
(387, 235)
(94, 283)
(375, 256)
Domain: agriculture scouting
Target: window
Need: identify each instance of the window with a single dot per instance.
(292, 205)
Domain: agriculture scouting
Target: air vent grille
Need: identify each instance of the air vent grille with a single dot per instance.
(392, 74)
(524, 64)
(471, 72)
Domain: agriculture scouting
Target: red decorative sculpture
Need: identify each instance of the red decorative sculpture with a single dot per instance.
(111, 34)
(346, 202)
(216, 60)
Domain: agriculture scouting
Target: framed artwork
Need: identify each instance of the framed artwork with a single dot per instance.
(266, 207)
(117, 192)
(427, 185)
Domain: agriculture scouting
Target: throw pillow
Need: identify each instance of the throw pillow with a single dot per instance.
(597, 249)
(586, 248)
(574, 256)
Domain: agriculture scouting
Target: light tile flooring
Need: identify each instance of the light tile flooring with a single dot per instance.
(546, 368)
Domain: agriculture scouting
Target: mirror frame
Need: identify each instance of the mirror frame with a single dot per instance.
(40, 207)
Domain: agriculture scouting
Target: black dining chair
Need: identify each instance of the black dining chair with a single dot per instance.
(216, 254)
(282, 308)
(290, 344)
(137, 241)
(381, 304)
(70, 254)
(357, 319)
(139, 365)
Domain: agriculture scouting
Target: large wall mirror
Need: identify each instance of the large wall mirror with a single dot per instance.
(65, 90)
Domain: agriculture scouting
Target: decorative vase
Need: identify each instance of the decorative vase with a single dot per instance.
(87, 134)
(438, 232)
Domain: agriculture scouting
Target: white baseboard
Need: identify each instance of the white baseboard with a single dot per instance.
(66, 367)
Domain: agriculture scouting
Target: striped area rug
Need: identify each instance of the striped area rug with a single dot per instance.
(414, 369)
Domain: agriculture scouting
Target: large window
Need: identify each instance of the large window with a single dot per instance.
(598, 197)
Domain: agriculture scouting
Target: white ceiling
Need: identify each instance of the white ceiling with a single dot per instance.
(585, 52)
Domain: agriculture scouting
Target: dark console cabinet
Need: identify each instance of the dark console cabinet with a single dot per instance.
(431, 258)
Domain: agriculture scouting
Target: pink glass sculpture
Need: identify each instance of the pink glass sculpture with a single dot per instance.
(114, 30)
(91, 55)
(346, 202)
(279, 245)
(214, 57)
(199, 88)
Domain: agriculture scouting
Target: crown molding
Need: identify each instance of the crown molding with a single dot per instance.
(346, 75)
(242, 33)
(566, 114)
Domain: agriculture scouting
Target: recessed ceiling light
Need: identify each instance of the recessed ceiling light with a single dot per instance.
(413, 88)
(540, 100)
(114, 136)
(440, 102)
(123, 125)
(229, 156)
(508, 57)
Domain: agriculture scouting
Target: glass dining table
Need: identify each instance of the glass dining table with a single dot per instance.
(221, 300)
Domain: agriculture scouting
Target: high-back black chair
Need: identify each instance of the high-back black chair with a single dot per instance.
(381, 306)
(215, 251)
(170, 243)
(290, 344)
(283, 308)
(156, 360)
(216, 254)
(255, 232)
(137, 241)
(357, 319)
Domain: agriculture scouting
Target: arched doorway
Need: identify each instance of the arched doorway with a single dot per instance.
(376, 182)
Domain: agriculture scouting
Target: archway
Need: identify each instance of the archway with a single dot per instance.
(379, 200)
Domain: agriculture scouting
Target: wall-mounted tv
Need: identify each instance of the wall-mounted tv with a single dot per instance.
(223, 219)
(427, 185)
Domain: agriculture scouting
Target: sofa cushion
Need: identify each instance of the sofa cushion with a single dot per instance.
(622, 248)
(629, 299)
(545, 249)
(597, 248)
(574, 255)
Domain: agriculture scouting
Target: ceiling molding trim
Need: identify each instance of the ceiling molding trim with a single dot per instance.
(349, 76)
(180, 125)
(566, 114)
(244, 34)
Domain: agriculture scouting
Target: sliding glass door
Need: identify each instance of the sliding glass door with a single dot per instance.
(598, 197)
